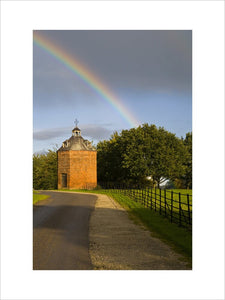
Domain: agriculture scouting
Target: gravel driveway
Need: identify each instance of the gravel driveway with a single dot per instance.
(117, 243)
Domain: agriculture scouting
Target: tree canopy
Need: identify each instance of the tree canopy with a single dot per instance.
(45, 170)
(144, 152)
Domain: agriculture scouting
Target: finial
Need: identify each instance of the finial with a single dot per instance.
(76, 122)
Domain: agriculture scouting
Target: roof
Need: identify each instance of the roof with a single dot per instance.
(76, 143)
(76, 129)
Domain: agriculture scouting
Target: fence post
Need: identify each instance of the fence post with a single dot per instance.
(165, 200)
(134, 195)
(179, 210)
(171, 212)
(189, 213)
(147, 196)
(142, 196)
(160, 201)
(151, 198)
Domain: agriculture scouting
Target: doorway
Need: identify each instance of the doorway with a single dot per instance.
(64, 180)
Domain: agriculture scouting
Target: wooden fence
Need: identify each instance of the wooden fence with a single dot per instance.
(175, 206)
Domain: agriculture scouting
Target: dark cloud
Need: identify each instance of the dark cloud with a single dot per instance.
(140, 60)
(52, 80)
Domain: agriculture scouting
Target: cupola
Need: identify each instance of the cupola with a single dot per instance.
(76, 131)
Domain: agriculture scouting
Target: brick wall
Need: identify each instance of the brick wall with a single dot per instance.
(63, 166)
(80, 167)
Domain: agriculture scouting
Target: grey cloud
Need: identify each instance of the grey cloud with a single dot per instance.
(96, 132)
(89, 131)
(47, 134)
(60, 86)
(159, 60)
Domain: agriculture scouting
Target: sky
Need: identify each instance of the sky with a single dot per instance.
(109, 81)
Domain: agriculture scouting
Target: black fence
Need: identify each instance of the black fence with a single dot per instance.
(175, 206)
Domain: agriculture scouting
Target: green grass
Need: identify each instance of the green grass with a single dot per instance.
(180, 239)
(37, 197)
(183, 197)
(182, 191)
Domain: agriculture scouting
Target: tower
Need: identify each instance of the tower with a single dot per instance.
(77, 163)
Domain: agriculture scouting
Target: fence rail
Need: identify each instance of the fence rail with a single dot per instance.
(175, 206)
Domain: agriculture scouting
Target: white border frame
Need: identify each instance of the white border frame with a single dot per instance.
(206, 19)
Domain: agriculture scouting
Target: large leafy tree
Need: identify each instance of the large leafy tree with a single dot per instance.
(109, 160)
(45, 170)
(156, 153)
(138, 153)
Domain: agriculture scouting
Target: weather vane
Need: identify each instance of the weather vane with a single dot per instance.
(76, 122)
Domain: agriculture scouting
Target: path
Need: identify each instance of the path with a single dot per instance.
(116, 243)
(60, 231)
(75, 231)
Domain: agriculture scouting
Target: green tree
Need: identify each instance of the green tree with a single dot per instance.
(45, 170)
(109, 160)
(135, 154)
(187, 178)
(157, 153)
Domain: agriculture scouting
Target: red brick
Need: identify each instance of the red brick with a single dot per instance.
(80, 167)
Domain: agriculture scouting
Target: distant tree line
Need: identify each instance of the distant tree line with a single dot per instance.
(146, 155)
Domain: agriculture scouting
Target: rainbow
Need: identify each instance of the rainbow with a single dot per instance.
(86, 75)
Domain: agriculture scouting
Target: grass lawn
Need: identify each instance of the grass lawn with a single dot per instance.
(37, 197)
(180, 239)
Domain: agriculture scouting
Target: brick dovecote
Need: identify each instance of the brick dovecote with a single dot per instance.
(77, 163)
